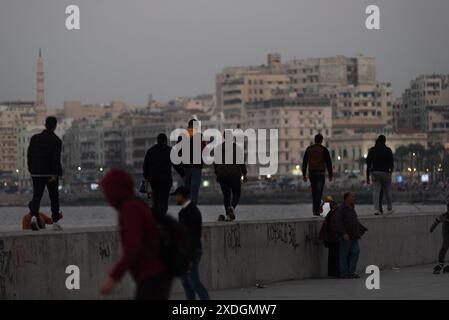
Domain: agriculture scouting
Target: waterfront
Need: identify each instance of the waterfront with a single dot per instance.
(100, 216)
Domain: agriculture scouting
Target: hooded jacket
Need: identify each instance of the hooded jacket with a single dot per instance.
(138, 229)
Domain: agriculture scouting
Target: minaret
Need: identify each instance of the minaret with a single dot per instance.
(40, 108)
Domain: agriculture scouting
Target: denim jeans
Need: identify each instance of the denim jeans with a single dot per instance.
(349, 256)
(191, 280)
(381, 184)
(317, 180)
(192, 182)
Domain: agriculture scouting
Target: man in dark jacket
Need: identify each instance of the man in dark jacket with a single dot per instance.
(140, 241)
(379, 166)
(190, 217)
(349, 230)
(44, 165)
(229, 175)
(317, 159)
(157, 171)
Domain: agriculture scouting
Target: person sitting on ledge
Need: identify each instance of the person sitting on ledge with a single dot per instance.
(44, 220)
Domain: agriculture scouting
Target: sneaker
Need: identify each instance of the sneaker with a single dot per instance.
(446, 269)
(34, 224)
(390, 212)
(437, 269)
(57, 227)
(230, 213)
(354, 276)
(346, 276)
(377, 213)
(221, 217)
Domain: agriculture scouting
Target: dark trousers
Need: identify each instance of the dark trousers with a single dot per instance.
(333, 262)
(444, 247)
(39, 184)
(161, 193)
(349, 256)
(191, 280)
(231, 185)
(317, 180)
(154, 288)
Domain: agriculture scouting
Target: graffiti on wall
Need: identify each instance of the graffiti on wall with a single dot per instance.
(282, 233)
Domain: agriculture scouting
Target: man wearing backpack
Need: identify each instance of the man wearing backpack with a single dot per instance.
(317, 159)
(190, 217)
(140, 240)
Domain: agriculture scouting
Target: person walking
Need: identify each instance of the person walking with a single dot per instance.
(44, 165)
(230, 175)
(317, 159)
(329, 235)
(190, 217)
(193, 170)
(140, 239)
(444, 219)
(349, 230)
(157, 172)
(379, 167)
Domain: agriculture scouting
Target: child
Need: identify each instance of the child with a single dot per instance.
(444, 218)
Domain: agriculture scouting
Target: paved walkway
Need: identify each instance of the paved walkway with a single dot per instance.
(408, 283)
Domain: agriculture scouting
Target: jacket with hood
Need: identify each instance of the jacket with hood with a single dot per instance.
(138, 229)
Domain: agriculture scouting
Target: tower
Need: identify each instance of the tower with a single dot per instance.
(40, 108)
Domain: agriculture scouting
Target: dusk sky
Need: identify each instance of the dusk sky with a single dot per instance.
(129, 49)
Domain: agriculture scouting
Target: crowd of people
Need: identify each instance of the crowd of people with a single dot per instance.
(157, 248)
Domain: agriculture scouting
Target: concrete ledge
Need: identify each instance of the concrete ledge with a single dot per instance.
(237, 254)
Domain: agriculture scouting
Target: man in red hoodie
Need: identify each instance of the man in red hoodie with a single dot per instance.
(140, 240)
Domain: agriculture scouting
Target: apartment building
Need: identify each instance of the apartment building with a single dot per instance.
(237, 86)
(297, 120)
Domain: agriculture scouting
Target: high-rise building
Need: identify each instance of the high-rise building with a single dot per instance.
(360, 103)
(297, 120)
(236, 86)
(418, 101)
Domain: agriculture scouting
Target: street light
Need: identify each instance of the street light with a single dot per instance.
(79, 168)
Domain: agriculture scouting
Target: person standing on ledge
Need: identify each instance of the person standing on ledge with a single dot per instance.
(317, 159)
(349, 231)
(193, 169)
(230, 175)
(140, 239)
(157, 171)
(379, 166)
(44, 165)
(190, 218)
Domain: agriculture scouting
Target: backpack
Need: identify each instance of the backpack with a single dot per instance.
(176, 247)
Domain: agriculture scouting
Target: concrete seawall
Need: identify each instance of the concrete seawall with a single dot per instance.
(33, 265)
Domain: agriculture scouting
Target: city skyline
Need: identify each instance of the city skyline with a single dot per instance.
(99, 64)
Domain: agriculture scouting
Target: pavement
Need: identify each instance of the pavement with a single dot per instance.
(402, 284)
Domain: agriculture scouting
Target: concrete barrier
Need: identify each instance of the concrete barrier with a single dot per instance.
(33, 265)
